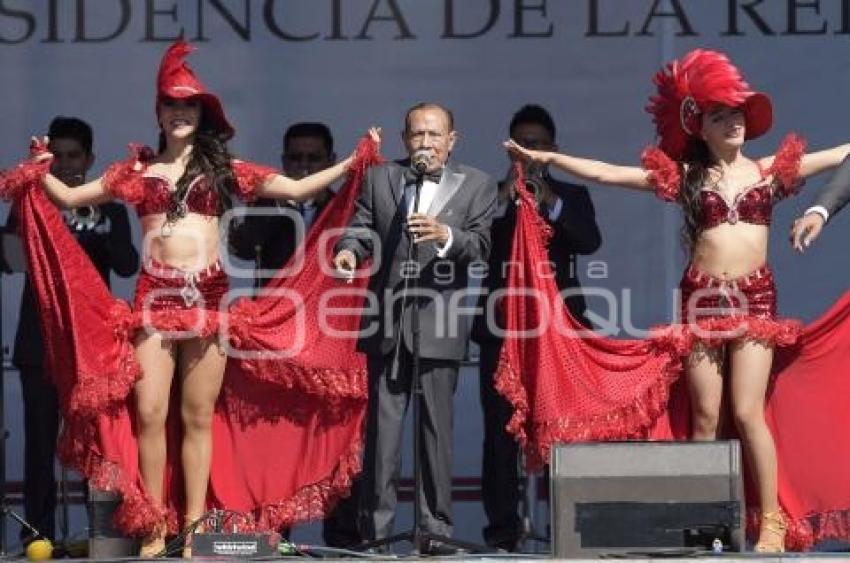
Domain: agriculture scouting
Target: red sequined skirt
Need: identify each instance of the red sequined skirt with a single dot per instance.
(177, 303)
(716, 310)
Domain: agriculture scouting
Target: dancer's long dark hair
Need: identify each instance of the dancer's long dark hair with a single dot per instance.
(210, 158)
(697, 162)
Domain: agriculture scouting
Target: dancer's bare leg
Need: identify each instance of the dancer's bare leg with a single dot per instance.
(156, 358)
(705, 385)
(751, 363)
(202, 367)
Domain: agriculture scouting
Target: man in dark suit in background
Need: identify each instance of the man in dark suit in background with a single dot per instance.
(569, 211)
(451, 228)
(269, 239)
(104, 233)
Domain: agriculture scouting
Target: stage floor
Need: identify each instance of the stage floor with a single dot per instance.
(660, 556)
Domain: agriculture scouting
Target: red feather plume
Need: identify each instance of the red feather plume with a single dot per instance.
(709, 77)
(173, 64)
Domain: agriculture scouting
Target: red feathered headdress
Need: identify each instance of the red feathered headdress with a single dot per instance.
(690, 86)
(176, 80)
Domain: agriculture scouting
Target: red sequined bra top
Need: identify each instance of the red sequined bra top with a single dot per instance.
(151, 193)
(753, 205)
(158, 198)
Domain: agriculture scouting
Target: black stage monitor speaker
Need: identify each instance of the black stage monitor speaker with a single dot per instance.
(639, 497)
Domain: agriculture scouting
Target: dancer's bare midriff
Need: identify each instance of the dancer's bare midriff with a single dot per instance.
(190, 243)
(731, 251)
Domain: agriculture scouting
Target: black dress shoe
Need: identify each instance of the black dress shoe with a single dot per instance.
(506, 545)
(436, 548)
(379, 550)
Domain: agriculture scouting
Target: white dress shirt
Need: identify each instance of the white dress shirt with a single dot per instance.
(820, 210)
(426, 196)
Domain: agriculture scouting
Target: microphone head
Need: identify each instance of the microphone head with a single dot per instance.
(419, 161)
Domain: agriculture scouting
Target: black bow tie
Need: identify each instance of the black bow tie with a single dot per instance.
(411, 177)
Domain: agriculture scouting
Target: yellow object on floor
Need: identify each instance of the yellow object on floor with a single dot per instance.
(39, 550)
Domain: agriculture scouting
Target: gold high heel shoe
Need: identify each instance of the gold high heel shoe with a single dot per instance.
(187, 546)
(772, 533)
(189, 531)
(153, 545)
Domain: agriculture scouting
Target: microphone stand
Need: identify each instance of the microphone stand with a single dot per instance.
(418, 536)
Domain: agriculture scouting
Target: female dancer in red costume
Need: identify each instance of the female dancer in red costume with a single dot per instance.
(704, 112)
(179, 194)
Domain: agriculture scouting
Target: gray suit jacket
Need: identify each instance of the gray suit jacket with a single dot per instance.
(836, 193)
(465, 201)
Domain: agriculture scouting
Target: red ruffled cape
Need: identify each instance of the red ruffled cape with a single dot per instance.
(566, 383)
(287, 433)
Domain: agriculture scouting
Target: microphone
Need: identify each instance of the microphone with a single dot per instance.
(419, 161)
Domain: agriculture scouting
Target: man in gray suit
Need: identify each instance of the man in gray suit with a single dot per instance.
(451, 228)
(832, 198)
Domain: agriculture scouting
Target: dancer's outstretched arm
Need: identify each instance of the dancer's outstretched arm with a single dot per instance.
(281, 187)
(90, 193)
(594, 171)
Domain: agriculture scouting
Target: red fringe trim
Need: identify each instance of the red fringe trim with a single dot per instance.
(366, 154)
(527, 198)
(249, 177)
(95, 393)
(327, 383)
(806, 531)
(16, 181)
(626, 422)
(124, 179)
(508, 383)
(138, 514)
(786, 164)
(681, 338)
(663, 173)
(38, 147)
(195, 322)
(313, 501)
(333, 383)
